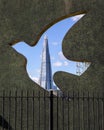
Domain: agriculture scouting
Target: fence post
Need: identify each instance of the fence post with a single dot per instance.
(51, 110)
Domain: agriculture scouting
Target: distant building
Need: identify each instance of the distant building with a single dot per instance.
(46, 80)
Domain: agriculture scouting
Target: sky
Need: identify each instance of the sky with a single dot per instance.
(55, 36)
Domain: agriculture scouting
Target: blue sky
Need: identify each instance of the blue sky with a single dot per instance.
(55, 36)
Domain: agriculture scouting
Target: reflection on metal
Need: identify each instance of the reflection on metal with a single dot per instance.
(46, 80)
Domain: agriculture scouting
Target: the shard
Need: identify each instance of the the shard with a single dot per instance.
(46, 73)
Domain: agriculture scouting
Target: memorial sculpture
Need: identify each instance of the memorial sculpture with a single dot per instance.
(27, 20)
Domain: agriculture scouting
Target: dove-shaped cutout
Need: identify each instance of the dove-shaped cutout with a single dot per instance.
(55, 35)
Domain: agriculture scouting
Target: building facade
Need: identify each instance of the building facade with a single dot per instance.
(46, 80)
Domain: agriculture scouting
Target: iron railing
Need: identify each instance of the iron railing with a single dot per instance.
(45, 111)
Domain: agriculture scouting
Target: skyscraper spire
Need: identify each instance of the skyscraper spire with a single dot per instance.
(46, 72)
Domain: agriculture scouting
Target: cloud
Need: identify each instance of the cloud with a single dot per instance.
(55, 43)
(40, 56)
(35, 79)
(57, 64)
(38, 71)
(66, 63)
(60, 64)
(76, 18)
(61, 56)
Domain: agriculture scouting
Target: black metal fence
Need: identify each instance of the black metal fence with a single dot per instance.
(45, 111)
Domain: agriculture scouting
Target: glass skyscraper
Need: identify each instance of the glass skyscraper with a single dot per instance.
(46, 80)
